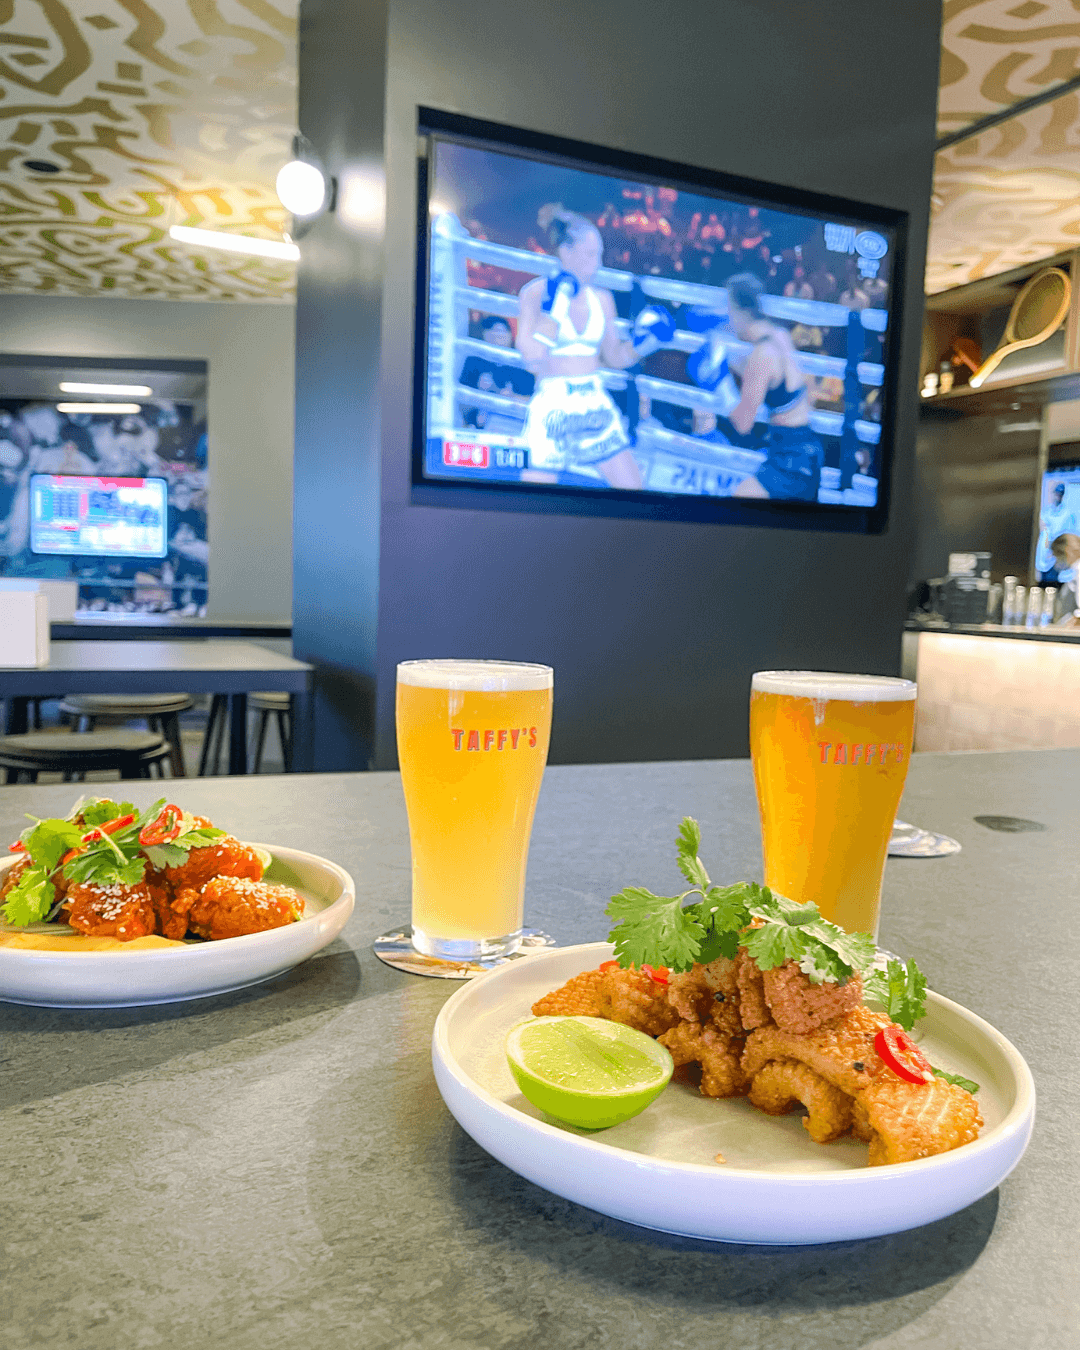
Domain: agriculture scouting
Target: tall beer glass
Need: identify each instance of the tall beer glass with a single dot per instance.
(472, 744)
(830, 755)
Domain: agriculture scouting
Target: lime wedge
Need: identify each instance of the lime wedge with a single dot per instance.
(586, 1071)
(265, 857)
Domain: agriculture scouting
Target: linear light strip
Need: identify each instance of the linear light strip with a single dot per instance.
(235, 243)
(99, 407)
(73, 387)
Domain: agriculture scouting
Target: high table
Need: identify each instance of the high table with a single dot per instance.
(275, 1168)
(192, 666)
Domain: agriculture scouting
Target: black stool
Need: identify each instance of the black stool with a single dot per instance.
(162, 713)
(130, 753)
(269, 705)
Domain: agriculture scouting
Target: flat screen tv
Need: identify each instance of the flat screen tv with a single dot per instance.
(608, 333)
(98, 517)
(1059, 513)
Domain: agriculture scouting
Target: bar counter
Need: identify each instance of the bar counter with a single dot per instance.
(275, 1167)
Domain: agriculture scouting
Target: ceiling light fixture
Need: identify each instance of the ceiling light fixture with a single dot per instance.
(99, 407)
(235, 243)
(73, 387)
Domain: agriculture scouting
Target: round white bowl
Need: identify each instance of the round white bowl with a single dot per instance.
(776, 1185)
(197, 969)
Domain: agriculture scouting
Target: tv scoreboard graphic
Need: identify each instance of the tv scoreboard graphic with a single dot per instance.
(670, 461)
(104, 517)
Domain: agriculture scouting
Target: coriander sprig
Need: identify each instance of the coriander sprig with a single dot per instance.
(667, 931)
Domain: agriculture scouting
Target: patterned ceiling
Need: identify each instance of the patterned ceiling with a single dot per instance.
(155, 113)
(1011, 195)
(161, 112)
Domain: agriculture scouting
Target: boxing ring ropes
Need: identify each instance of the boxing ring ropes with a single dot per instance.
(451, 298)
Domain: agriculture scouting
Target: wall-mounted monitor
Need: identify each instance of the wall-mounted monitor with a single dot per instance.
(599, 331)
(98, 517)
(1059, 514)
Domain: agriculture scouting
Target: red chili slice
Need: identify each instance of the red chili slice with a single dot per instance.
(109, 827)
(17, 847)
(605, 966)
(902, 1055)
(164, 827)
(657, 973)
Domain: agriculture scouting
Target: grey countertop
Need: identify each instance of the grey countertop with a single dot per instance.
(1017, 632)
(276, 1168)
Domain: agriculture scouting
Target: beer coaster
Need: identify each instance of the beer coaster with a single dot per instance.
(395, 949)
(908, 841)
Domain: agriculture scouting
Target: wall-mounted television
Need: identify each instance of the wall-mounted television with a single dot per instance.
(604, 332)
(1059, 514)
(98, 517)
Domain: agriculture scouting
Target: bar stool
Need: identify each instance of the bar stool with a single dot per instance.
(268, 705)
(132, 754)
(214, 735)
(161, 711)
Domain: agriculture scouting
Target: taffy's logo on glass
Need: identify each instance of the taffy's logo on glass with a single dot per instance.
(504, 738)
(857, 753)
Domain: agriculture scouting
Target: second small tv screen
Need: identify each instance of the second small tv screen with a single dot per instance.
(593, 331)
(98, 517)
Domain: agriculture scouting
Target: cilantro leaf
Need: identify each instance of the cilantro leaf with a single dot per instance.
(165, 855)
(687, 845)
(48, 841)
(901, 991)
(654, 929)
(957, 1080)
(101, 867)
(774, 943)
(30, 899)
(97, 812)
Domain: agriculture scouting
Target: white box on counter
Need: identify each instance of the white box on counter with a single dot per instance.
(24, 628)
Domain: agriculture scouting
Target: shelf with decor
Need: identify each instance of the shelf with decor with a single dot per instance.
(962, 327)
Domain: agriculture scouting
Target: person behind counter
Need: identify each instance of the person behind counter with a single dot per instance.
(1065, 551)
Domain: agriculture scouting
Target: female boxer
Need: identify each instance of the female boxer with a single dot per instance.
(770, 377)
(566, 331)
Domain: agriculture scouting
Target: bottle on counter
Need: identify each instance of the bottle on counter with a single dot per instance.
(1019, 605)
(1008, 600)
(1048, 605)
(993, 603)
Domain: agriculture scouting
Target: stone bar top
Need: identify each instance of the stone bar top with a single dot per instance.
(275, 1168)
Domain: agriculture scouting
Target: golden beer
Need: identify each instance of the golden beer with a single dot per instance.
(472, 744)
(830, 755)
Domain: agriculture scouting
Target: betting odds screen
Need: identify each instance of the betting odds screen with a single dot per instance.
(98, 517)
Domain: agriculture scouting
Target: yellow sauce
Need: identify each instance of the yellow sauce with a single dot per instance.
(79, 942)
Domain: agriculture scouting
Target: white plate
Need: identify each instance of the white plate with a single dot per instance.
(197, 969)
(777, 1185)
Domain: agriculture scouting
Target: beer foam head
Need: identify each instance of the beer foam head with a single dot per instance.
(497, 676)
(824, 684)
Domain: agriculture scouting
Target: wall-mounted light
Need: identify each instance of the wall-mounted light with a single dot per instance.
(73, 387)
(304, 188)
(235, 243)
(99, 407)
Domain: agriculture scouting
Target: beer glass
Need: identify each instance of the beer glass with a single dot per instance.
(830, 755)
(472, 744)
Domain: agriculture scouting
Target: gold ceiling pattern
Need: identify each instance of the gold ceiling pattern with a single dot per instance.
(1011, 195)
(153, 114)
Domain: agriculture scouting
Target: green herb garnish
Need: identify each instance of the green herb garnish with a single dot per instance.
(667, 931)
(957, 1080)
(900, 990)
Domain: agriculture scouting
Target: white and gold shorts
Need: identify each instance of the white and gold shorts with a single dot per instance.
(572, 420)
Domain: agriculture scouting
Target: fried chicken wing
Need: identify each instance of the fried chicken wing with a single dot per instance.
(917, 1120)
(800, 1006)
(123, 912)
(718, 1055)
(782, 1083)
(227, 858)
(231, 906)
(842, 1052)
(13, 875)
(578, 997)
(753, 1009)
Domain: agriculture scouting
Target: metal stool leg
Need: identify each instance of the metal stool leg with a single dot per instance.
(168, 726)
(213, 736)
(285, 737)
(260, 741)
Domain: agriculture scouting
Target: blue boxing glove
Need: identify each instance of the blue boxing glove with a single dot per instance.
(699, 319)
(559, 290)
(652, 328)
(708, 368)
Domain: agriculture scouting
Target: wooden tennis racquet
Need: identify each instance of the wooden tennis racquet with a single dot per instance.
(1037, 311)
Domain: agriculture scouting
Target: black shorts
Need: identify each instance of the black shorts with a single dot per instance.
(792, 468)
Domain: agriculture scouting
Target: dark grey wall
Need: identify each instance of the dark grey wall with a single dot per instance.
(653, 629)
